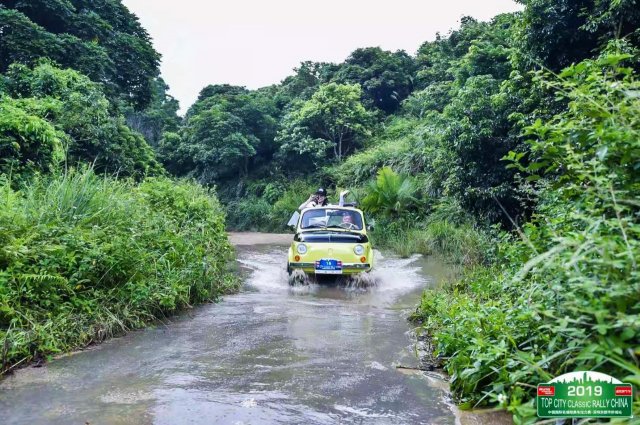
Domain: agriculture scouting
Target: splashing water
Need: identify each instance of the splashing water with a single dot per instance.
(299, 278)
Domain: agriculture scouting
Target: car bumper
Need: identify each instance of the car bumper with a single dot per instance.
(347, 268)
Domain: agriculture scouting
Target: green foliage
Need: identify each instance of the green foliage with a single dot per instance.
(99, 38)
(459, 244)
(555, 34)
(477, 48)
(160, 117)
(455, 131)
(226, 133)
(333, 119)
(83, 258)
(386, 77)
(28, 143)
(268, 210)
(296, 193)
(306, 80)
(564, 296)
(390, 195)
(79, 112)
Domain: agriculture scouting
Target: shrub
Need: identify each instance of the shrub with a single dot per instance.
(390, 195)
(250, 214)
(28, 143)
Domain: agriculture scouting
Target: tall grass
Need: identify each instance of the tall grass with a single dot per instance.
(462, 244)
(268, 213)
(84, 257)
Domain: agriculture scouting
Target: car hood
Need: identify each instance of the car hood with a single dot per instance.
(322, 236)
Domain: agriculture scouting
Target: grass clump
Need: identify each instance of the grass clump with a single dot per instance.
(84, 257)
(462, 244)
(268, 209)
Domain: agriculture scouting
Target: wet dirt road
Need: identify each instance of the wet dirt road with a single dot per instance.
(271, 354)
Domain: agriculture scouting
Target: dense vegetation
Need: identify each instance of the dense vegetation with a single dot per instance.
(84, 257)
(562, 296)
(91, 253)
(508, 146)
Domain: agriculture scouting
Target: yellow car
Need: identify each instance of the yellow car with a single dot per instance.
(330, 240)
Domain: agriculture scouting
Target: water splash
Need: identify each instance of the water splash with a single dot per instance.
(298, 278)
(361, 281)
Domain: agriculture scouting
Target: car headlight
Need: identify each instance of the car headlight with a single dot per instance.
(358, 249)
(302, 249)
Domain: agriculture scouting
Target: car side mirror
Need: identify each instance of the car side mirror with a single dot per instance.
(293, 221)
(369, 227)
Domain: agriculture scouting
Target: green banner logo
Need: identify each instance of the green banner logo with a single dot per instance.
(584, 395)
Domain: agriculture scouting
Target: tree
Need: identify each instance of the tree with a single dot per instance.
(332, 120)
(78, 109)
(386, 77)
(436, 60)
(306, 80)
(556, 33)
(99, 38)
(216, 145)
(159, 117)
(227, 132)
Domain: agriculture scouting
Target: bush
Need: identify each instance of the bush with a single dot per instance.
(462, 244)
(263, 214)
(83, 258)
(250, 214)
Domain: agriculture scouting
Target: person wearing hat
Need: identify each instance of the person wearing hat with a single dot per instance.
(318, 199)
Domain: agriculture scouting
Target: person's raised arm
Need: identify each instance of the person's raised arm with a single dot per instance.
(306, 203)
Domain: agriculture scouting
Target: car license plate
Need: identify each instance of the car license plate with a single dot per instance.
(328, 267)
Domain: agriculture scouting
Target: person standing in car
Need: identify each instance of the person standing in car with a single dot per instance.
(318, 199)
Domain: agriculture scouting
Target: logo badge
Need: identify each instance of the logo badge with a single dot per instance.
(584, 395)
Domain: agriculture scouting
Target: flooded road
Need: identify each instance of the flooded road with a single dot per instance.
(271, 354)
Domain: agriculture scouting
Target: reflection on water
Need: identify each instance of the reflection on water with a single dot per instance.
(314, 354)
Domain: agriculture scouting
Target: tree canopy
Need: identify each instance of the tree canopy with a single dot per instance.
(49, 109)
(333, 120)
(99, 38)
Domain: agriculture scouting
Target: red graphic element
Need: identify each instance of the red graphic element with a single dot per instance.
(624, 391)
(546, 391)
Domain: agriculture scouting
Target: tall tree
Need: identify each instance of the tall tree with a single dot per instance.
(332, 120)
(159, 117)
(557, 33)
(99, 38)
(227, 132)
(81, 115)
(386, 77)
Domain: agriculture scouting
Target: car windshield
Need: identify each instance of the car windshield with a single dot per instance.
(331, 218)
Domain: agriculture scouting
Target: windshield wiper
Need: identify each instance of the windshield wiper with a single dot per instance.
(341, 228)
(314, 226)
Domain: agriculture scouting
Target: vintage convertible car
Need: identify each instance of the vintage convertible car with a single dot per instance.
(330, 240)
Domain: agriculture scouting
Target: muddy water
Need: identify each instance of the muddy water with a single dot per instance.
(271, 354)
